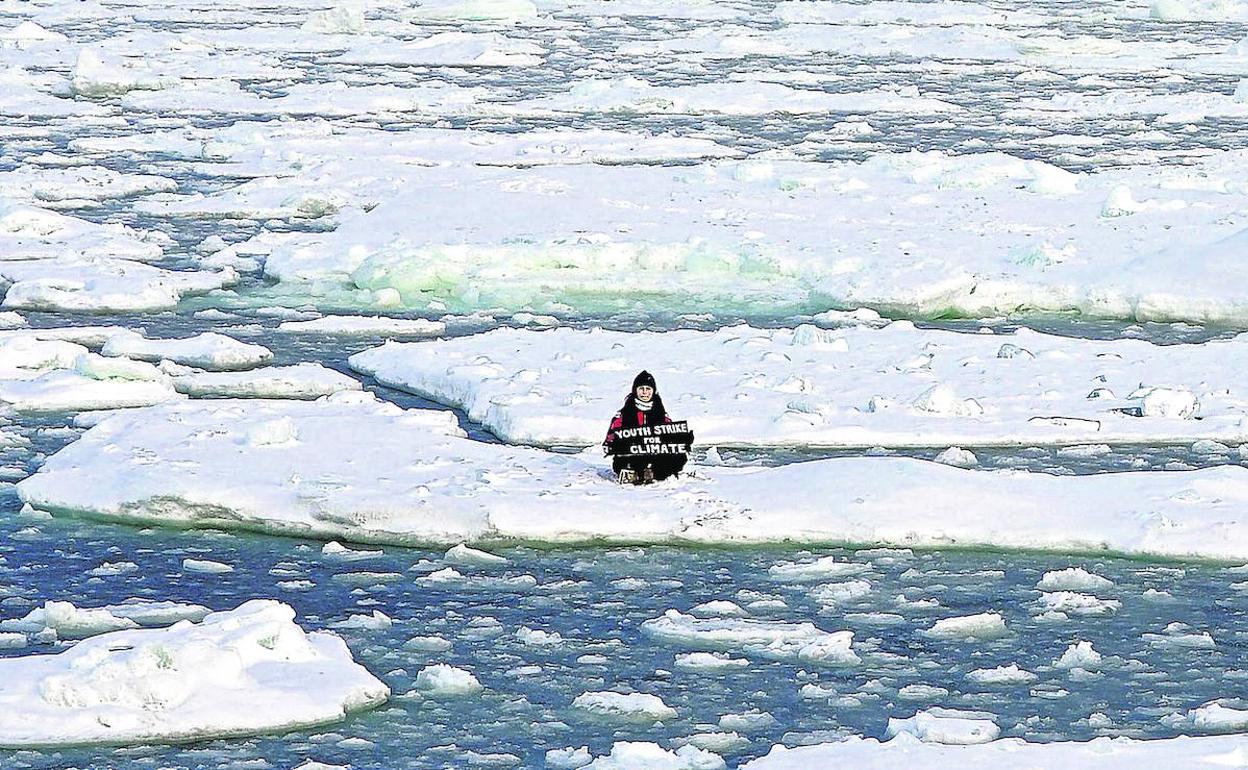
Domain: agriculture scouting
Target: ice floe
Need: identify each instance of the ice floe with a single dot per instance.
(305, 380)
(415, 477)
(857, 386)
(1010, 234)
(906, 751)
(246, 671)
(206, 351)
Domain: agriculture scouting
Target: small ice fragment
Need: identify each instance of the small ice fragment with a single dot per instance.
(958, 457)
(471, 557)
(207, 566)
(631, 707)
(443, 680)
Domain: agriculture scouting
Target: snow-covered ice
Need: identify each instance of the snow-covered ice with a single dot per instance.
(241, 672)
(414, 477)
(855, 386)
(906, 751)
(304, 380)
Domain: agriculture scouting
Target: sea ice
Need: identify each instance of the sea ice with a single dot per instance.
(246, 671)
(205, 351)
(896, 386)
(905, 751)
(305, 380)
(413, 476)
(630, 707)
(949, 726)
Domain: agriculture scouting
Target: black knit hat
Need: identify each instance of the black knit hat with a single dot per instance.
(644, 378)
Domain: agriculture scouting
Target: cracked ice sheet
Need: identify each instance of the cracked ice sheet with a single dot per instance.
(269, 148)
(629, 94)
(1069, 54)
(803, 387)
(102, 284)
(28, 233)
(905, 752)
(913, 233)
(349, 466)
(320, 168)
(1172, 108)
(246, 671)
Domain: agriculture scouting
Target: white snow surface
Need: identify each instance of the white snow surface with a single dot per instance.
(305, 380)
(206, 351)
(905, 752)
(349, 466)
(241, 672)
(977, 234)
(854, 386)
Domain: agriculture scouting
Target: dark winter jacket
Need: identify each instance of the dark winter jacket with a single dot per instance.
(632, 417)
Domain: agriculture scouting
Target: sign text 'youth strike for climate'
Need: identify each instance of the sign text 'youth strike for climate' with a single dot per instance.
(667, 439)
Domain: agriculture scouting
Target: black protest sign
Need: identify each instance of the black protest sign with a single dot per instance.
(672, 438)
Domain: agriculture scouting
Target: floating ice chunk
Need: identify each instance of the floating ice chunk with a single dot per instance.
(719, 608)
(449, 576)
(1010, 674)
(904, 752)
(427, 644)
(957, 457)
(1079, 655)
(12, 640)
(347, 18)
(1085, 450)
(474, 10)
(247, 671)
(102, 284)
(110, 569)
(206, 351)
(985, 626)
(948, 726)
(305, 380)
(750, 721)
(627, 755)
(824, 568)
(719, 742)
(1073, 579)
(569, 758)
(1166, 402)
(441, 680)
(98, 73)
(338, 551)
(449, 49)
(376, 621)
(365, 326)
(709, 661)
(68, 621)
(921, 692)
(206, 566)
(463, 555)
(1072, 603)
(1178, 635)
(802, 642)
(1218, 718)
(67, 391)
(630, 707)
(535, 637)
(838, 593)
(1206, 446)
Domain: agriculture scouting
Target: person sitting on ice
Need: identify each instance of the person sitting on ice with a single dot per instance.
(642, 408)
